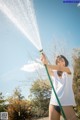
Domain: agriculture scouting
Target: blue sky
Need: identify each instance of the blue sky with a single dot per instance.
(57, 22)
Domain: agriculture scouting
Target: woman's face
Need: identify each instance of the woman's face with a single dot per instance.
(61, 61)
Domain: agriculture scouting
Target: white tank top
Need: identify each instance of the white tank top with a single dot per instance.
(63, 88)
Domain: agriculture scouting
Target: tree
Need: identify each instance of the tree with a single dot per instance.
(40, 92)
(18, 108)
(76, 59)
(76, 84)
(2, 101)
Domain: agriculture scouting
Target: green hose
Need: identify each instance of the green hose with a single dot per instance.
(63, 114)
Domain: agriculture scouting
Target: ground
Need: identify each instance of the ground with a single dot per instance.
(46, 118)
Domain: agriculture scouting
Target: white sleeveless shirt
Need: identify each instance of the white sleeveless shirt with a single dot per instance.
(63, 88)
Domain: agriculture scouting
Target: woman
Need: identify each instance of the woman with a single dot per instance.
(62, 81)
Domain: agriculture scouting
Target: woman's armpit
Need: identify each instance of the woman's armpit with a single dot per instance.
(51, 73)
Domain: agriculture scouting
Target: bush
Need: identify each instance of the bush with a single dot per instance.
(40, 92)
(20, 110)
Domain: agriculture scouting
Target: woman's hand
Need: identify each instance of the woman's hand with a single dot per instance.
(43, 59)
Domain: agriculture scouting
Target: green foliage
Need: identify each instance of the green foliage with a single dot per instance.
(40, 92)
(78, 111)
(76, 84)
(17, 94)
(2, 101)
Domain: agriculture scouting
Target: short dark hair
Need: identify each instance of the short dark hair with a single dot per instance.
(61, 56)
(66, 63)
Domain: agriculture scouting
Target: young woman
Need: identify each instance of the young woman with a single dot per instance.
(62, 80)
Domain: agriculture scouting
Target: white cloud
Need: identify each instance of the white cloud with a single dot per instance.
(7, 94)
(78, 5)
(32, 66)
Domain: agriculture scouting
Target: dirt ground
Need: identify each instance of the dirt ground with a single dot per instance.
(46, 118)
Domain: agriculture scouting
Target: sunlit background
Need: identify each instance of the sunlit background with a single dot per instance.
(59, 29)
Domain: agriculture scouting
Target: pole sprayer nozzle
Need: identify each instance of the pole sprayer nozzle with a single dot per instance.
(41, 51)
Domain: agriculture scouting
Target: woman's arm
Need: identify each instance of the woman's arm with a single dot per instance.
(54, 67)
(59, 68)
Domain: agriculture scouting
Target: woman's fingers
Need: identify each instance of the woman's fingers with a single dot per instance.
(43, 59)
(43, 56)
